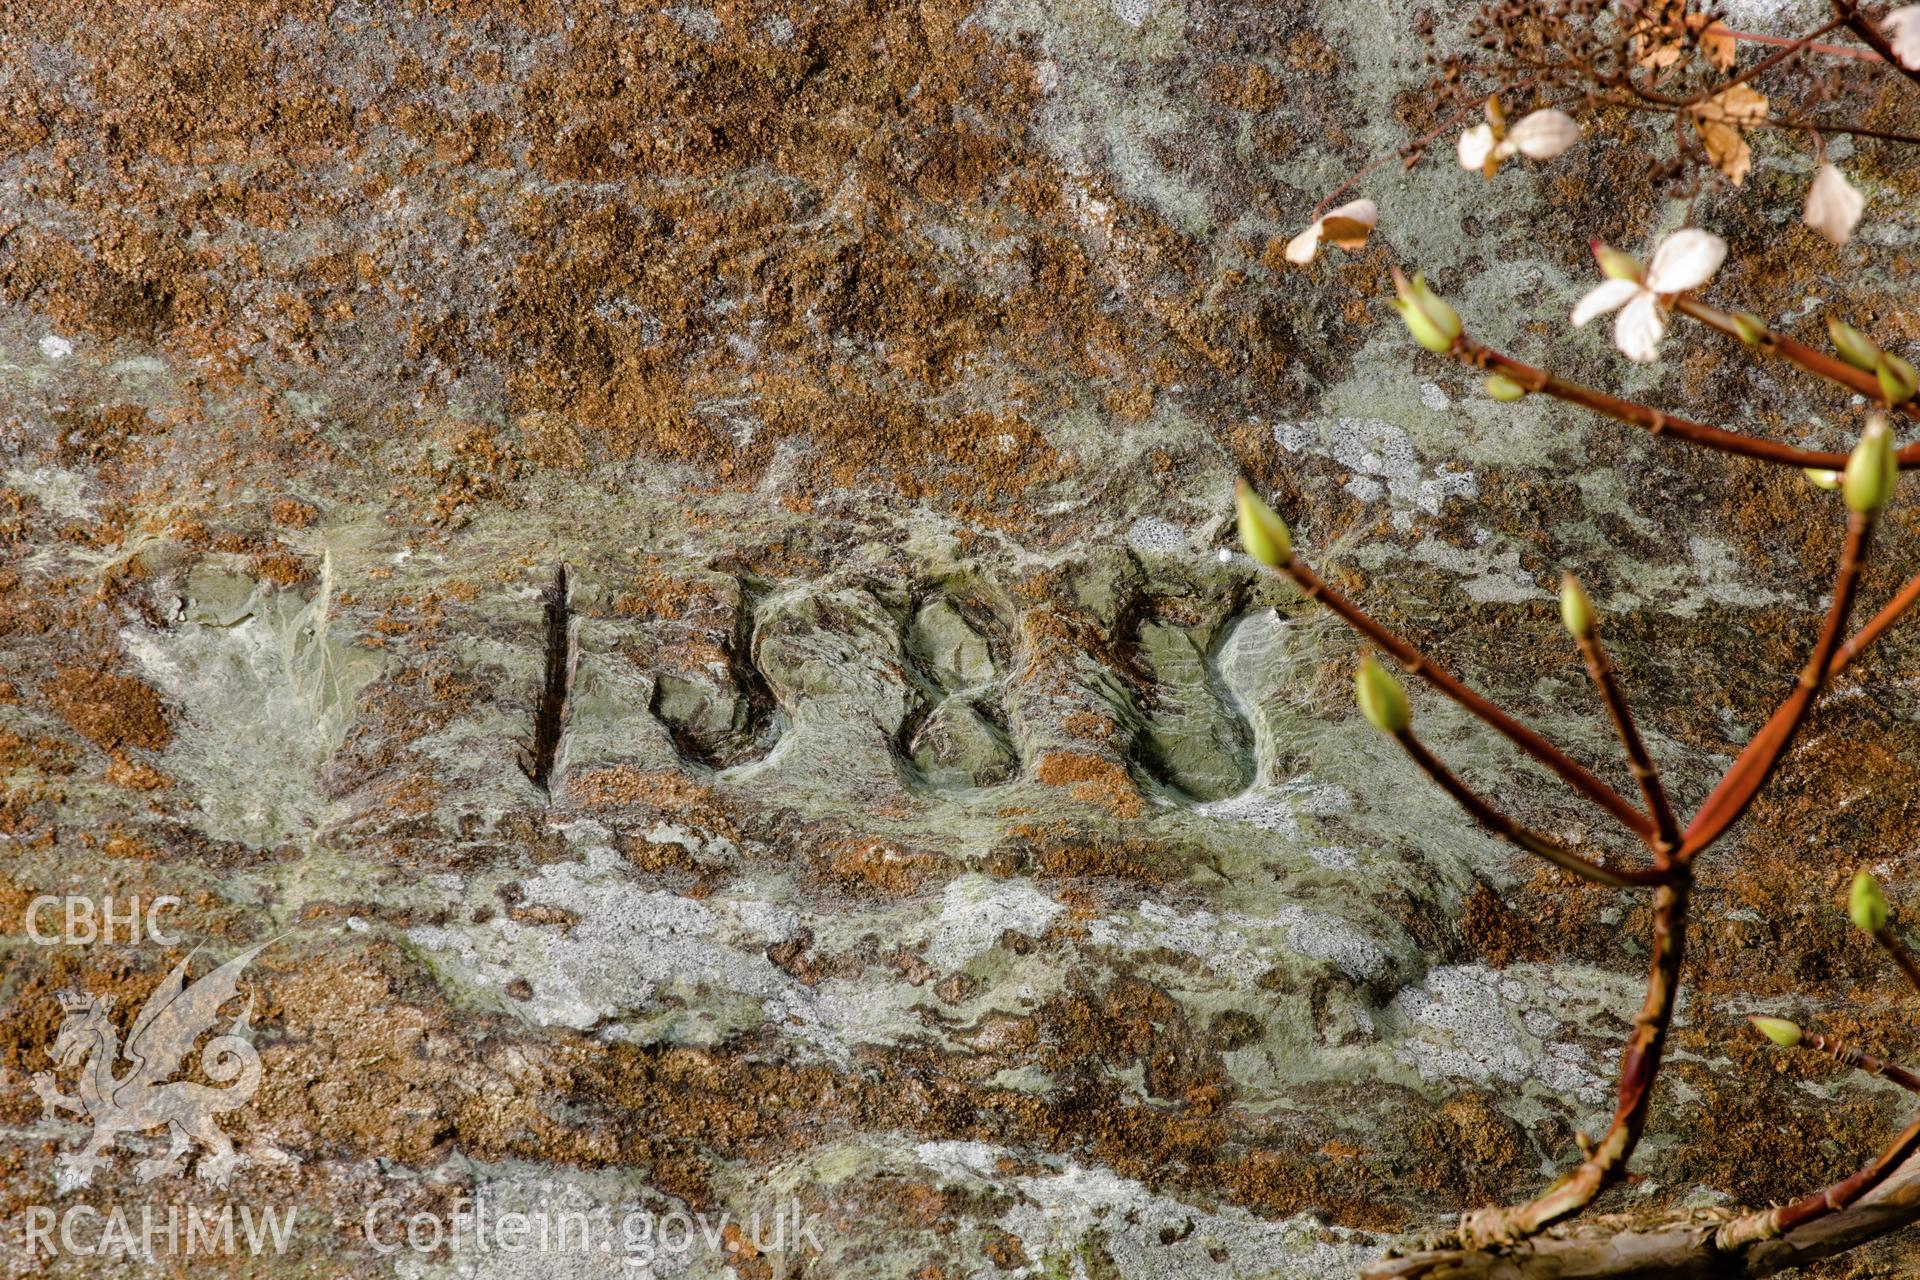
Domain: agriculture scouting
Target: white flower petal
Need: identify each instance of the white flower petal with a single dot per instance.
(1685, 260)
(1362, 211)
(1833, 206)
(1608, 295)
(1350, 224)
(1302, 248)
(1902, 29)
(1638, 331)
(1544, 134)
(1476, 144)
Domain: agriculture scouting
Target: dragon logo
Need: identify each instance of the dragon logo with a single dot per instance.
(142, 1098)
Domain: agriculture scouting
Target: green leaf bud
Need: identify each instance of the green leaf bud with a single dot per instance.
(1382, 701)
(1866, 904)
(1262, 533)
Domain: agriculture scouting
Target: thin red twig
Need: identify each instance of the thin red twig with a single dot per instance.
(1656, 421)
(1818, 363)
(1892, 613)
(1860, 1060)
(1411, 151)
(1869, 34)
(1897, 951)
(1771, 1223)
(1507, 829)
(1792, 49)
(1755, 764)
(1830, 50)
(1600, 667)
(1417, 663)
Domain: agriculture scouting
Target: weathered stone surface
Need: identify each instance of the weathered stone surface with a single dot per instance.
(952, 834)
(958, 746)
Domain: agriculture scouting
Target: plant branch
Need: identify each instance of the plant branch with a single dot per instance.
(1680, 1244)
(1897, 951)
(1860, 1060)
(1895, 609)
(1829, 126)
(1685, 1243)
(1411, 151)
(1635, 414)
(1869, 34)
(1639, 1065)
(1817, 363)
(1639, 763)
(1840, 1194)
(1755, 764)
(1507, 829)
(1807, 43)
(1417, 663)
(1647, 100)
(1792, 49)
(1768, 1224)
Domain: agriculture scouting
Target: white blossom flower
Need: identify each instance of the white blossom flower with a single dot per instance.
(1541, 135)
(1833, 206)
(1476, 146)
(1348, 226)
(1902, 30)
(1685, 260)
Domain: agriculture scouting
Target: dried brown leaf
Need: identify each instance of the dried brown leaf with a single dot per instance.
(1720, 120)
(1665, 30)
(1722, 50)
(1740, 105)
(1655, 55)
(1727, 149)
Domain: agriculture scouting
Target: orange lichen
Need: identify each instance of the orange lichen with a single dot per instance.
(875, 866)
(1093, 780)
(108, 710)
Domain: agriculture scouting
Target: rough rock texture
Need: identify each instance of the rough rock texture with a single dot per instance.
(951, 834)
